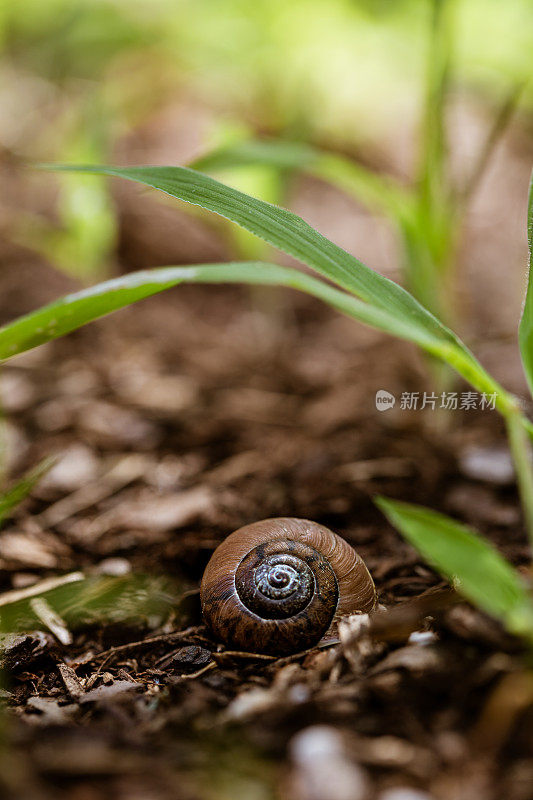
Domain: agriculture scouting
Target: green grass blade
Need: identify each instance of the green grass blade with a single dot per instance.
(289, 233)
(526, 324)
(17, 493)
(78, 309)
(378, 193)
(432, 170)
(75, 310)
(407, 318)
(475, 568)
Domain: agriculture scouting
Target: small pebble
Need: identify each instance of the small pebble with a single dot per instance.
(115, 567)
(299, 693)
(404, 793)
(76, 466)
(316, 742)
(422, 637)
(321, 768)
(17, 392)
(14, 447)
(490, 464)
(249, 703)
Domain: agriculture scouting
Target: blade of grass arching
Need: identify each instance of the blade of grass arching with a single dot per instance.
(75, 310)
(470, 563)
(281, 228)
(17, 493)
(377, 192)
(291, 234)
(526, 323)
(433, 224)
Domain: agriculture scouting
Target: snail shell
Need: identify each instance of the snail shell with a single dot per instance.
(279, 585)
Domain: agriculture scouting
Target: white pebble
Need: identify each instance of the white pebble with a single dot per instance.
(404, 793)
(422, 637)
(490, 464)
(321, 768)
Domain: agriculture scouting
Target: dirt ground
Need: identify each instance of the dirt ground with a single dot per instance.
(196, 412)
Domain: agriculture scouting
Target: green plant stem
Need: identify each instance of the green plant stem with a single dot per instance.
(520, 446)
(434, 149)
(466, 365)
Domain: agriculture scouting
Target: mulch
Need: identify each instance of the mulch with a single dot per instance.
(174, 423)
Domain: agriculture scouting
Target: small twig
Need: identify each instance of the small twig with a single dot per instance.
(51, 619)
(241, 654)
(199, 672)
(165, 637)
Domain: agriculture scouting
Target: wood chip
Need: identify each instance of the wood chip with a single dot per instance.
(27, 550)
(154, 512)
(71, 681)
(51, 619)
(128, 469)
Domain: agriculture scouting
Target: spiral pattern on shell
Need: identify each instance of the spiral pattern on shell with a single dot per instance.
(279, 585)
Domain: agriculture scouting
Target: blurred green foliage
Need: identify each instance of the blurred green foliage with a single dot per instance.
(137, 600)
(77, 75)
(336, 67)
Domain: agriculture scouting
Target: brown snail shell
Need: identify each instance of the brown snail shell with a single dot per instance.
(279, 585)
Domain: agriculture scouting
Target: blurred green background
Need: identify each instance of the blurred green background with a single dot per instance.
(77, 77)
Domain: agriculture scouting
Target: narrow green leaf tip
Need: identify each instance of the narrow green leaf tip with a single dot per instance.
(470, 563)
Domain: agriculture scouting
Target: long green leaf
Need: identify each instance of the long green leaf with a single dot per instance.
(289, 233)
(407, 318)
(377, 192)
(526, 323)
(74, 310)
(475, 568)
